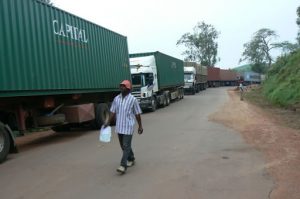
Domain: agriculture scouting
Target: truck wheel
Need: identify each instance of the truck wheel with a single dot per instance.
(197, 89)
(165, 99)
(101, 115)
(181, 93)
(4, 144)
(153, 104)
(193, 91)
(168, 99)
(113, 122)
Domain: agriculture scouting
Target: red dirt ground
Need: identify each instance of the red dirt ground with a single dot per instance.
(267, 133)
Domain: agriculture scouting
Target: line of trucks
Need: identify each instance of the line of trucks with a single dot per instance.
(220, 77)
(60, 71)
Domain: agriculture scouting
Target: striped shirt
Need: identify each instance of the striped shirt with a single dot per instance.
(125, 109)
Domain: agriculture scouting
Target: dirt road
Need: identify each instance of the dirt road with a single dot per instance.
(280, 145)
(180, 155)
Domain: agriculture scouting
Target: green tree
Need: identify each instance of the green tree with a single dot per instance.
(287, 47)
(259, 68)
(201, 44)
(258, 50)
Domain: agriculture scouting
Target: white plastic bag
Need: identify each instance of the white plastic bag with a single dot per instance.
(105, 134)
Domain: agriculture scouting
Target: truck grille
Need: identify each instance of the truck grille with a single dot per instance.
(137, 95)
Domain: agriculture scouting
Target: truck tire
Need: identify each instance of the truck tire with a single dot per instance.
(164, 102)
(101, 115)
(113, 121)
(197, 88)
(164, 96)
(181, 91)
(168, 99)
(153, 104)
(193, 91)
(4, 144)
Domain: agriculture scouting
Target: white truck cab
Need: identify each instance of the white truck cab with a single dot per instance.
(144, 79)
(189, 78)
(157, 79)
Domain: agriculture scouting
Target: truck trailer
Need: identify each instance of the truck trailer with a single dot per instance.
(57, 70)
(228, 77)
(157, 79)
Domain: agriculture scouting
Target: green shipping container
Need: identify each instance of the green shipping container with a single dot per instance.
(46, 51)
(169, 69)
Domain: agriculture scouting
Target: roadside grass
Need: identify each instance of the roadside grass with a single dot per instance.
(280, 92)
(289, 117)
(255, 95)
(282, 86)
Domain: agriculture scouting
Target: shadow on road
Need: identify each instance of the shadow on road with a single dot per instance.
(39, 139)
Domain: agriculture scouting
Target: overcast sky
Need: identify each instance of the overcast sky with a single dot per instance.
(156, 25)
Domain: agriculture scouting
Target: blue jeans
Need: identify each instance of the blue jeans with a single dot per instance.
(125, 143)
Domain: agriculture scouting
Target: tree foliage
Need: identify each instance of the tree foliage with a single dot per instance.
(258, 50)
(201, 44)
(287, 47)
(259, 68)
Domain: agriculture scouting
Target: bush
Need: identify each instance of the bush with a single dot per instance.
(282, 86)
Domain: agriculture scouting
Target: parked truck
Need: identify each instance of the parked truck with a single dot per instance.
(56, 70)
(251, 77)
(228, 77)
(213, 76)
(195, 77)
(157, 79)
(222, 77)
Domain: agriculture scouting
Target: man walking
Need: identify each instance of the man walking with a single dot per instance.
(125, 108)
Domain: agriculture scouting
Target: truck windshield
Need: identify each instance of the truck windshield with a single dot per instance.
(137, 80)
(142, 79)
(188, 76)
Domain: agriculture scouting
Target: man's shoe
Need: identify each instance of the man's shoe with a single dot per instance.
(130, 163)
(121, 169)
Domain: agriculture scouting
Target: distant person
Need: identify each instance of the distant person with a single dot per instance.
(241, 87)
(125, 108)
